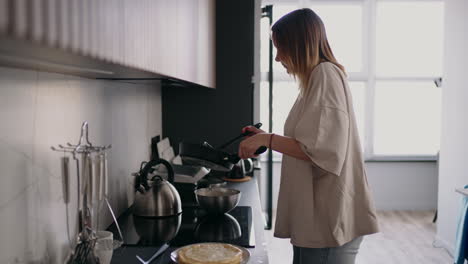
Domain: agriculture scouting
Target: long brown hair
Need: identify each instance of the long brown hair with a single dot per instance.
(301, 36)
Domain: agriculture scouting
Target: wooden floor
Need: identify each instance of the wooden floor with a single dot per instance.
(406, 237)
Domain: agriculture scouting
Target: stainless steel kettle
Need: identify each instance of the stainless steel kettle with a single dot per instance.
(156, 197)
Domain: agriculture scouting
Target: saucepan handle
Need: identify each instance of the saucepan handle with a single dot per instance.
(246, 133)
(260, 150)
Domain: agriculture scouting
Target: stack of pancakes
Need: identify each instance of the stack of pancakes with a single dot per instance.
(210, 253)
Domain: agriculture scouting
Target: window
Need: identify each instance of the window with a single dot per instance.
(344, 26)
(409, 46)
(391, 59)
(407, 118)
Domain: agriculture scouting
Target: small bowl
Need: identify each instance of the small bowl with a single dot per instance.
(217, 200)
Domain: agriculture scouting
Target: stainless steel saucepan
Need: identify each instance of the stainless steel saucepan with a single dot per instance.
(217, 200)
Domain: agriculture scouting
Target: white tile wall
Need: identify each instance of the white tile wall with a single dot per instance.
(38, 110)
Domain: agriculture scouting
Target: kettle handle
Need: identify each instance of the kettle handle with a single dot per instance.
(152, 163)
(170, 170)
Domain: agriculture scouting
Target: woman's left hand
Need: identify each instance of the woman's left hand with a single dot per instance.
(248, 146)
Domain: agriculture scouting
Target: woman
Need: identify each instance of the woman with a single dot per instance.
(324, 204)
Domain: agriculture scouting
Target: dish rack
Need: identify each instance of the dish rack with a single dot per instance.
(92, 192)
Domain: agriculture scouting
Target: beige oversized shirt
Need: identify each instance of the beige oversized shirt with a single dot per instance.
(325, 202)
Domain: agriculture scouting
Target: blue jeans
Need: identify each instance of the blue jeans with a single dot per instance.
(345, 254)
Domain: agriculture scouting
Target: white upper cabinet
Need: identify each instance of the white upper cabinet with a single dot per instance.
(172, 38)
(195, 40)
(206, 43)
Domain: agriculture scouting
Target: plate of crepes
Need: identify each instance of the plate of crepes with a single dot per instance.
(210, 253)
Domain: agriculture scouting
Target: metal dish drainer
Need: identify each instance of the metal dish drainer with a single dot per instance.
(92, 187)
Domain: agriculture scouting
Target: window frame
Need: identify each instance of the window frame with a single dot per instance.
(367, 73)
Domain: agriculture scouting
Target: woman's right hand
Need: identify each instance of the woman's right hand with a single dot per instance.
(252, 130)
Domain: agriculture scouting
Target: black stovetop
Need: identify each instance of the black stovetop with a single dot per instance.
(194, 225)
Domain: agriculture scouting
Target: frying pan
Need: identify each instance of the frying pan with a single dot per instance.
(208, 156)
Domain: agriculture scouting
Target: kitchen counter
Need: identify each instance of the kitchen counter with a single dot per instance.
(250, 197)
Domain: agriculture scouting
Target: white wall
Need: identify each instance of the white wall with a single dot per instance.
(395, 185)
(453, 171)
(38, 110)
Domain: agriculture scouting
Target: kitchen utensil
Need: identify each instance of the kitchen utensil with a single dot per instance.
(84, 250)
(156, 197)
(205, 156)
(117, 243)
(97, 187)
(84, 173)
(217, 228)
(208, 156)
(86, 186)
(65, 165)
(91, 181)
(159, 252)
(101, 181)
(217, 200)
(246, 133)
(104, 175)
(245, 253)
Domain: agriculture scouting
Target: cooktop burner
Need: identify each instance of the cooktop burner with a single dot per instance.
(194, 225)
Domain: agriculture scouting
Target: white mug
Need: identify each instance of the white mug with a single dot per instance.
(104, 246)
